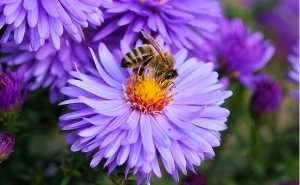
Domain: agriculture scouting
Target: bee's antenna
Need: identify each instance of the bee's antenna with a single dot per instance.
(143, 32)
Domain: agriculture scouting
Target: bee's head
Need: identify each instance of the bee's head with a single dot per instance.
(170, 75)
(170, 60)
(126, 64)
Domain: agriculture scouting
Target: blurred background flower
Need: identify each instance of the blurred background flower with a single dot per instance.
(195, 179)
(281, 20)
(6, 144)
(290, 183)
(293, 75)
(48, 20)
(241, 53)
(183, 27)
(49, 66)
(11, 98)
(266, 97)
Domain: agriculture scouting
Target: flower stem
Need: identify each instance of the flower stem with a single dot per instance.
(255, 142)
(9, 120)
(235, 113)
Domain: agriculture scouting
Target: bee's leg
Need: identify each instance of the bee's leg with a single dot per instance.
(172, 85)
(156, 67)
(168, 84)
(165, 85)
(144, 65)
(135, 70)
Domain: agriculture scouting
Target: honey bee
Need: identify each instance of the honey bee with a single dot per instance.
(145, 56)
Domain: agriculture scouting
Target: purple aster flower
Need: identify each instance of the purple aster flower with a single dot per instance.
(48, 66)
(178, 25)
(48, 19)
(6, 144)
(267, 96)
(123, 117)
(282, 23)
(10, 89)
(293, 75)
(242, 53)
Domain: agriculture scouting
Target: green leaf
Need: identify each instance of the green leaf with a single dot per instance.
(65, 180)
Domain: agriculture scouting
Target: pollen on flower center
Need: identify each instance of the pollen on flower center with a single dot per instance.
(147, 94)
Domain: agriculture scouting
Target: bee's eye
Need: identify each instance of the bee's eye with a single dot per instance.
(168, 76)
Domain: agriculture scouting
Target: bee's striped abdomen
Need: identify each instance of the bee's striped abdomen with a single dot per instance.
(130, 57)
(137, 56)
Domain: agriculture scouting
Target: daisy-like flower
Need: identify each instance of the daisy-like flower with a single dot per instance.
(7, 142)
(123, 117)
(242, 53)
(48, 66)
(293, 75)
(48, 19)
(10, 89)
(185, 24)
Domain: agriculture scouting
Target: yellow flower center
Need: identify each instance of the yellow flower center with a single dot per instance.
(148, 94)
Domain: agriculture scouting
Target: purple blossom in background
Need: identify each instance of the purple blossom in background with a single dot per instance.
(107, 116)
(282, 22)
(266, 97)
(48, 19)
(10, 89)
(293, 75)
(242, 53)
(51, 170)
(195, 179)
(48, 66)
(185, 24)
(290, 183)
(6, 144)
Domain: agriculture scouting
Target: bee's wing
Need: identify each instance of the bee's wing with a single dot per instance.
(154, 44)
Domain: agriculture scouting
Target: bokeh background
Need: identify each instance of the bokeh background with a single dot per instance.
(41, 155)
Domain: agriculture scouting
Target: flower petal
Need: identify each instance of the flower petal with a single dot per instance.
(146, 134)
(167, 128)
(159, 134)
(103, 74)
(212, 124)
(123, 154)
(134, 153)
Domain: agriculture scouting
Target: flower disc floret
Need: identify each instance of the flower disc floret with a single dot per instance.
(148, 94)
